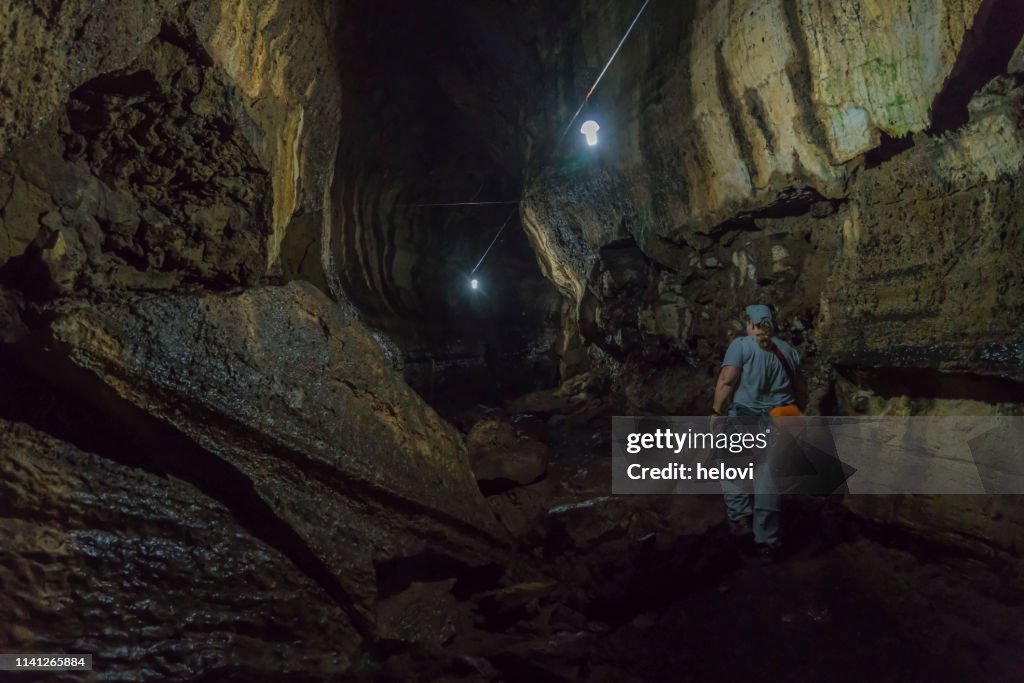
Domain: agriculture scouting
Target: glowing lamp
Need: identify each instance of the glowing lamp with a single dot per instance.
(590, 129)
(474, 283)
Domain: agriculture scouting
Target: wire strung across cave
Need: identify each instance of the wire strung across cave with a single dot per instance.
(615, 53)
(493, 241)
(515, 201)
(496, 236)
(583, 104)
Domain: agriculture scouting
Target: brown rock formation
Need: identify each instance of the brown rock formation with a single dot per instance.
(855, 166)
(755, 166)
(148, 574)
(194, 122)
(279, 407)
(301, 402)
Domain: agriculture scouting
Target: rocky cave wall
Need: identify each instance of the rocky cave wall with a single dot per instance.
(222, 113)
(407, 267)
(188, 207)
(857, 165)
(203, 458)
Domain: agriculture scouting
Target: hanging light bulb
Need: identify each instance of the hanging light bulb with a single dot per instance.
(590, 129)
(474, 283)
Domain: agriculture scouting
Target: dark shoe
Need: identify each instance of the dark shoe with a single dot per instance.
(740, 527)
(769, 553)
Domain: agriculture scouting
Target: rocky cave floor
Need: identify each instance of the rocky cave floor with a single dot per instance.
(652, 588)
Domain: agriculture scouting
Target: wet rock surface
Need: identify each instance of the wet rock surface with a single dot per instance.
(149, 575)
(283, 388)
(281, 408)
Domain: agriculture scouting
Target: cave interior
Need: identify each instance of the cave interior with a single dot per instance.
(315, 317)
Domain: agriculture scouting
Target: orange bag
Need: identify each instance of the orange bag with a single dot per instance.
(788, 410)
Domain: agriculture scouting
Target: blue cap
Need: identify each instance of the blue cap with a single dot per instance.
(758, 313)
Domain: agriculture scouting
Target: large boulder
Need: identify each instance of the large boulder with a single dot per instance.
(502, 456)
(278, 399)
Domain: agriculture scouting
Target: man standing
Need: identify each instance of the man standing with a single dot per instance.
(758, 379)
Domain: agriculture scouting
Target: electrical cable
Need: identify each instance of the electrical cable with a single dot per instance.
(500, 230)
(605, 69)
(465, 204)
(586, 99)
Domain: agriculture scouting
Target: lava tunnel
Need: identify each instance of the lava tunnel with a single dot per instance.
(603, 341)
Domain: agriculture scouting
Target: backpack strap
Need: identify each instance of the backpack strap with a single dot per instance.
(785, 366)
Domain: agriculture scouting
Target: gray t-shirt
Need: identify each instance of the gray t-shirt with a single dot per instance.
(763, 381)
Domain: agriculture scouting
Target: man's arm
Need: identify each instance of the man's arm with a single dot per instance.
(728, 378)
